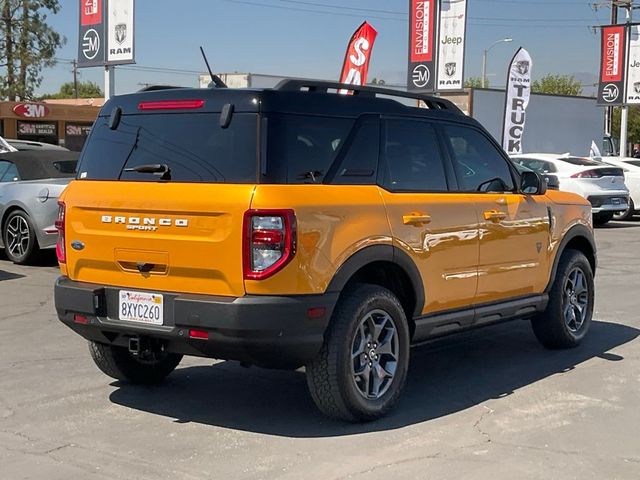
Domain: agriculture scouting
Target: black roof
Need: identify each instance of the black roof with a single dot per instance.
(40, 164)
(293, 96)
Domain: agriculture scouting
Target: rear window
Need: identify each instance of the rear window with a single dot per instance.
(301, 148)
(634, 162)
(193, 146)
(582, 161)
(536, 165)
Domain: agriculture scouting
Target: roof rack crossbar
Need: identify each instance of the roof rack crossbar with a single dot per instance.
(432, 102)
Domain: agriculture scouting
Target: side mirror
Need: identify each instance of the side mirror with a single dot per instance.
(532, 184)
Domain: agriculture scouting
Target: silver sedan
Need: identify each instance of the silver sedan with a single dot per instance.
(30, 184)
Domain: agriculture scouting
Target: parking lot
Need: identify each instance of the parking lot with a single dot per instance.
(489, 404)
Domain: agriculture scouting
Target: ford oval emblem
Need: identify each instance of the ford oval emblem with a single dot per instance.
(77, 245)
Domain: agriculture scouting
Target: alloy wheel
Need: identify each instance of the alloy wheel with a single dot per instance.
(374, 354)
(18, 236)
(575, 301)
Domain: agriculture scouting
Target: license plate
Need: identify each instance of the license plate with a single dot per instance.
(141, 307)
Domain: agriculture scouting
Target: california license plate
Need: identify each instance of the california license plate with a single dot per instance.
(141, 307)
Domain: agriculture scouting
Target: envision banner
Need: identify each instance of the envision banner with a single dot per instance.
(517, 99)
(612, 65)
(453, 21)
(356, 61)
(106, 32)
(120, 28)
(422, 45)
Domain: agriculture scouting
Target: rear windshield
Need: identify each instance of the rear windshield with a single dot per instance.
(582, 161)
(634, 162)
(193, 146)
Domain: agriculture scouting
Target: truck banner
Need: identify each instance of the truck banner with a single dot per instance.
(120, 28)
(632, 78)
(423, 26)
(356, 61)
(451, 45)
(517, 99)
(612, 65)
(91, 40)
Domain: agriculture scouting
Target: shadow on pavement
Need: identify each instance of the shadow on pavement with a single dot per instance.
(44, 258)
(446, 376)
(9, 276)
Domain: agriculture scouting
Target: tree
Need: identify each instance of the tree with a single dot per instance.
(27, 45)
(633, 125)
(557, 84)
(474, 82)
(85, 90)
(376, 81)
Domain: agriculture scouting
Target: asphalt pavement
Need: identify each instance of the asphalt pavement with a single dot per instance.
(490, 404)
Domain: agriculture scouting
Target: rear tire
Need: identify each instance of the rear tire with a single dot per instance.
(627, 214)
(567, 318)
(602, 218)
(361, 369)
(19, 238)
(118, 363)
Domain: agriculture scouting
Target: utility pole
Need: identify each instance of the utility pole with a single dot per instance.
(624, 114)
(75, 79)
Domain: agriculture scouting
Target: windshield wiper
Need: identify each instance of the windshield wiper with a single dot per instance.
(161, 169)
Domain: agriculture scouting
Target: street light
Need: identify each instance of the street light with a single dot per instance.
(484, 58)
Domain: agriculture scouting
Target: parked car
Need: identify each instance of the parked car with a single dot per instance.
(602, 185)
(30, 183)
(22, 145)
(296, 226)
(631, 168)
(550, 179)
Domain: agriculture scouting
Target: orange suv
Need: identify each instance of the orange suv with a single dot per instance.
(296, 226)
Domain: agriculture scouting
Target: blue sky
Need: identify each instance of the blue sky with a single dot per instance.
(307, 38)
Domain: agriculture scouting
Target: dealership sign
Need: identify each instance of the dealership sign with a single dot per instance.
(632, 78)
(421, 75)
(31, 110)
(106, 32)
(356, 61)
(612, 65)
(451, 43)
(518, 93)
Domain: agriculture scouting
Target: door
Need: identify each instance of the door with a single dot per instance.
(437, 228)
(514, 227)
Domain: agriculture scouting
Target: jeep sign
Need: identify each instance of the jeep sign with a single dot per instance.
(453, 19)
(120, 28)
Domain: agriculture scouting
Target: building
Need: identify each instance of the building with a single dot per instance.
(58, 122)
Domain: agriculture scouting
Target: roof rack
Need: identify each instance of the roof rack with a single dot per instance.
(433, 103)
(153, 88)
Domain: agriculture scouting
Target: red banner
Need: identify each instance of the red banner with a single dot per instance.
(90, 12)
(356, 60)
(612, 54)
(422, 25)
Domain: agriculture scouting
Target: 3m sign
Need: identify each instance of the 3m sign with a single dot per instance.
(31, 110)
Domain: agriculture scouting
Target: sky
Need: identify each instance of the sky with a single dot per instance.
(308, 38)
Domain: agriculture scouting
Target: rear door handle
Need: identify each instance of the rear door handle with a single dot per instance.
(416, 219)
(494, 215)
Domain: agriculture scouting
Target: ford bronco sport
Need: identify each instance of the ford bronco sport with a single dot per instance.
(295, 226)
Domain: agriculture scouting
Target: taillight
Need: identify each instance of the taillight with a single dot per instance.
(61, 252)
(588, 174)
(269, 242)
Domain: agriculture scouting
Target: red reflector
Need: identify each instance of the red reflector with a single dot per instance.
(199, 334)
(171, 105)
(80, 319)
(267, 237)
(316, 312)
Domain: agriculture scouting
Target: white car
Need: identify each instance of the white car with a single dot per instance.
(631, 168)
(603, 185)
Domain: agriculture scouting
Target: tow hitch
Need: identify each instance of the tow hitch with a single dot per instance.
(146, 349)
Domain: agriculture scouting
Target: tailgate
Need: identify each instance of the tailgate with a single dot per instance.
(175, 237)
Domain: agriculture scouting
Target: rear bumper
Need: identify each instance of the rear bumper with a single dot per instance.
(270, 331)
(609, 203)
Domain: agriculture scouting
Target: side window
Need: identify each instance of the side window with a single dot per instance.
(480, 166)
(413, 161)
(360, 163)
(8, 172)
